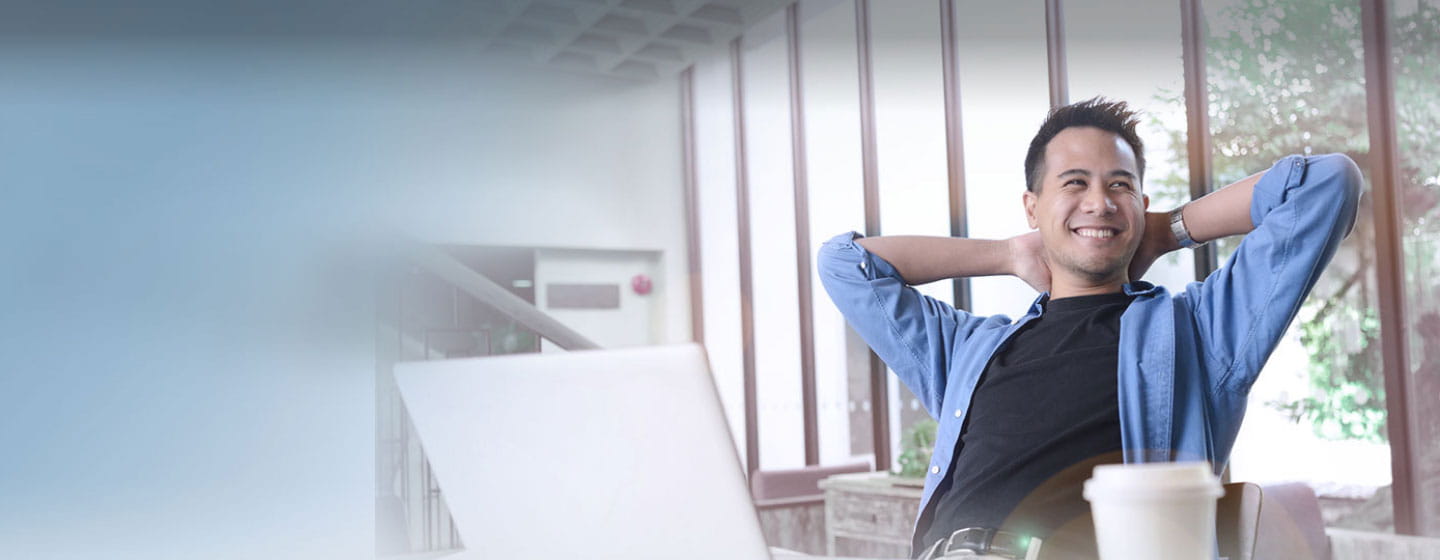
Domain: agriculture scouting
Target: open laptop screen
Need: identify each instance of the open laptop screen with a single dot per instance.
(603, 454)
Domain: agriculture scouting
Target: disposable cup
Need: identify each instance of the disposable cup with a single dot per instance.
(1154, 511)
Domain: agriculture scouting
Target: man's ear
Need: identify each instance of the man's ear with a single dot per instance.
(1146, 204)
(1030, 198)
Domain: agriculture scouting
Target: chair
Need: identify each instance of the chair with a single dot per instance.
(1276, 522)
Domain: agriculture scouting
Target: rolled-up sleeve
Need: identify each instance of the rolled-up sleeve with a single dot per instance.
(914, 334)
(1302, 208)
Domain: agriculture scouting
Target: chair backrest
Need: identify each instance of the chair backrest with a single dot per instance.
(797, 483)
(1236, 516)
(1275, 522)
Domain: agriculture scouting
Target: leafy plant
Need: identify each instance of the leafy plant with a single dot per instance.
(916, 445)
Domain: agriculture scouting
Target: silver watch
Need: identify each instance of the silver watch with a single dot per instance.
(1177, 227)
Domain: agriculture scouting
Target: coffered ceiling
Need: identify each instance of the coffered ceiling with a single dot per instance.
(632, 38)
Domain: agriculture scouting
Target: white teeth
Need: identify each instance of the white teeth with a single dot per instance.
(1096, 233)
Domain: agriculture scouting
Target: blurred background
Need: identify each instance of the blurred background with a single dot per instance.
(223, 222)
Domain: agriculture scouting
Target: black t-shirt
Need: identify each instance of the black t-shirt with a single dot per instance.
(1044, 414)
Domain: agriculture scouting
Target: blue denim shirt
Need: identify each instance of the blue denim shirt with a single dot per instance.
(1187, 360)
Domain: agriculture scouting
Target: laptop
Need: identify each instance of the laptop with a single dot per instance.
(620, 454)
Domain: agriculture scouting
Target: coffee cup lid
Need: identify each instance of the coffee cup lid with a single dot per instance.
(1155, 479)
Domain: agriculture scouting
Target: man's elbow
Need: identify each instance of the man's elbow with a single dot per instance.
(837, 264)
(1343, 183)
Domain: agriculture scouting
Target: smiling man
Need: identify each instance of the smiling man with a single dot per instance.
(1102, 368)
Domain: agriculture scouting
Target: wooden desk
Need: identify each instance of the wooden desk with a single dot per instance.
(870, 514)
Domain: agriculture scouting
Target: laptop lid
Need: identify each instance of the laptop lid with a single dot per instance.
(600, 454)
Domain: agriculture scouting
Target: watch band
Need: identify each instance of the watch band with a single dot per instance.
(1177, 227)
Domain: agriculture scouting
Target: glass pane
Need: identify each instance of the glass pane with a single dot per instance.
(837, 204)
(1287, 77)
(1003, 100)
(774, 298)
(1151, 41)
(910, 146)
(719, 242)
(1416, 44)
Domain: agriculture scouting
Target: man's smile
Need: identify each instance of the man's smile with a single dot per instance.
(1103, 233)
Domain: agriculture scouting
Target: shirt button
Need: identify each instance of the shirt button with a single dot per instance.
(959, 412)
(934, 469)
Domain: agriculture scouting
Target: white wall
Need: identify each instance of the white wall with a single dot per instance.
(630, 322)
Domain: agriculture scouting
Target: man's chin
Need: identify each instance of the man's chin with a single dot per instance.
(1093, 268)
(1096, 273)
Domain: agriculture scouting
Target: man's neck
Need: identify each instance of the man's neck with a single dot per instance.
(1073, 287)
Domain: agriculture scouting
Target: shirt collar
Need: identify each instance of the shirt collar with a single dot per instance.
(1136, 288)
(1038, 306)
(1140, 288)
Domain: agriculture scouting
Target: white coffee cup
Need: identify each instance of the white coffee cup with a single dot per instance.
(1154, 510)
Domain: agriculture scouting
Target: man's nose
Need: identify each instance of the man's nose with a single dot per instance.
(1097, 201)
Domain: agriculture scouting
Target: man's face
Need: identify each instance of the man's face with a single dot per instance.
(1088, 205)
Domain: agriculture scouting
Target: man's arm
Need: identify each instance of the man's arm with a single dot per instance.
(1221, 213)
(916, 335)
(921, 260)
(1296, 215)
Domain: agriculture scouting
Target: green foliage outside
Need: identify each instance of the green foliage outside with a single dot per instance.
(510, 337)
(916, 445)
(1287, 76)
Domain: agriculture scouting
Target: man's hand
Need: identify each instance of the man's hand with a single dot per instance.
(1156, 241)
(1027, 261)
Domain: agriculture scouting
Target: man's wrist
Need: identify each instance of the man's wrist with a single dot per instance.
(1012, 256)
(1179, 231)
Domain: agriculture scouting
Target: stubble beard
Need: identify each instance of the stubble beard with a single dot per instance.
(1095, 269)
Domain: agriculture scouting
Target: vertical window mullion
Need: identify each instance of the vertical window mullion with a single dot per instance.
(1055, 50)
(954, 140)
(879, 391)
(802, 239)
(1197, 121)
(747, 311)
(1384, 172)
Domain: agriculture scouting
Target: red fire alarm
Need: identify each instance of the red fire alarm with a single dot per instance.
(641, 284)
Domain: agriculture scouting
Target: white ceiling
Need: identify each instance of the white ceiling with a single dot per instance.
(631, 38)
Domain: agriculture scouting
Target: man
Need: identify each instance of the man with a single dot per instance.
(1101, 368)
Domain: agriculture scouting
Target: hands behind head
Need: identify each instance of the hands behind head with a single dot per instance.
(1156, 241)
(1027, 261)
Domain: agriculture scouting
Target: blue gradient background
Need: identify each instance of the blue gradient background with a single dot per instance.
(186, 363)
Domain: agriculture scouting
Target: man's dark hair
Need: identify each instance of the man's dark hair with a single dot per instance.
(1101, 113)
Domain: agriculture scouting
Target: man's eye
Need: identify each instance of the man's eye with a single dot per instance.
(1080, 182)
(1120, 184)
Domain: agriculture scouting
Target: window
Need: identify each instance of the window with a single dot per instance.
(1003, 99)
(837, 204)
(910, 151)
(1092, 51)
(1281, 77)
(773, 244)
(1287, 77)
(1415, 35)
